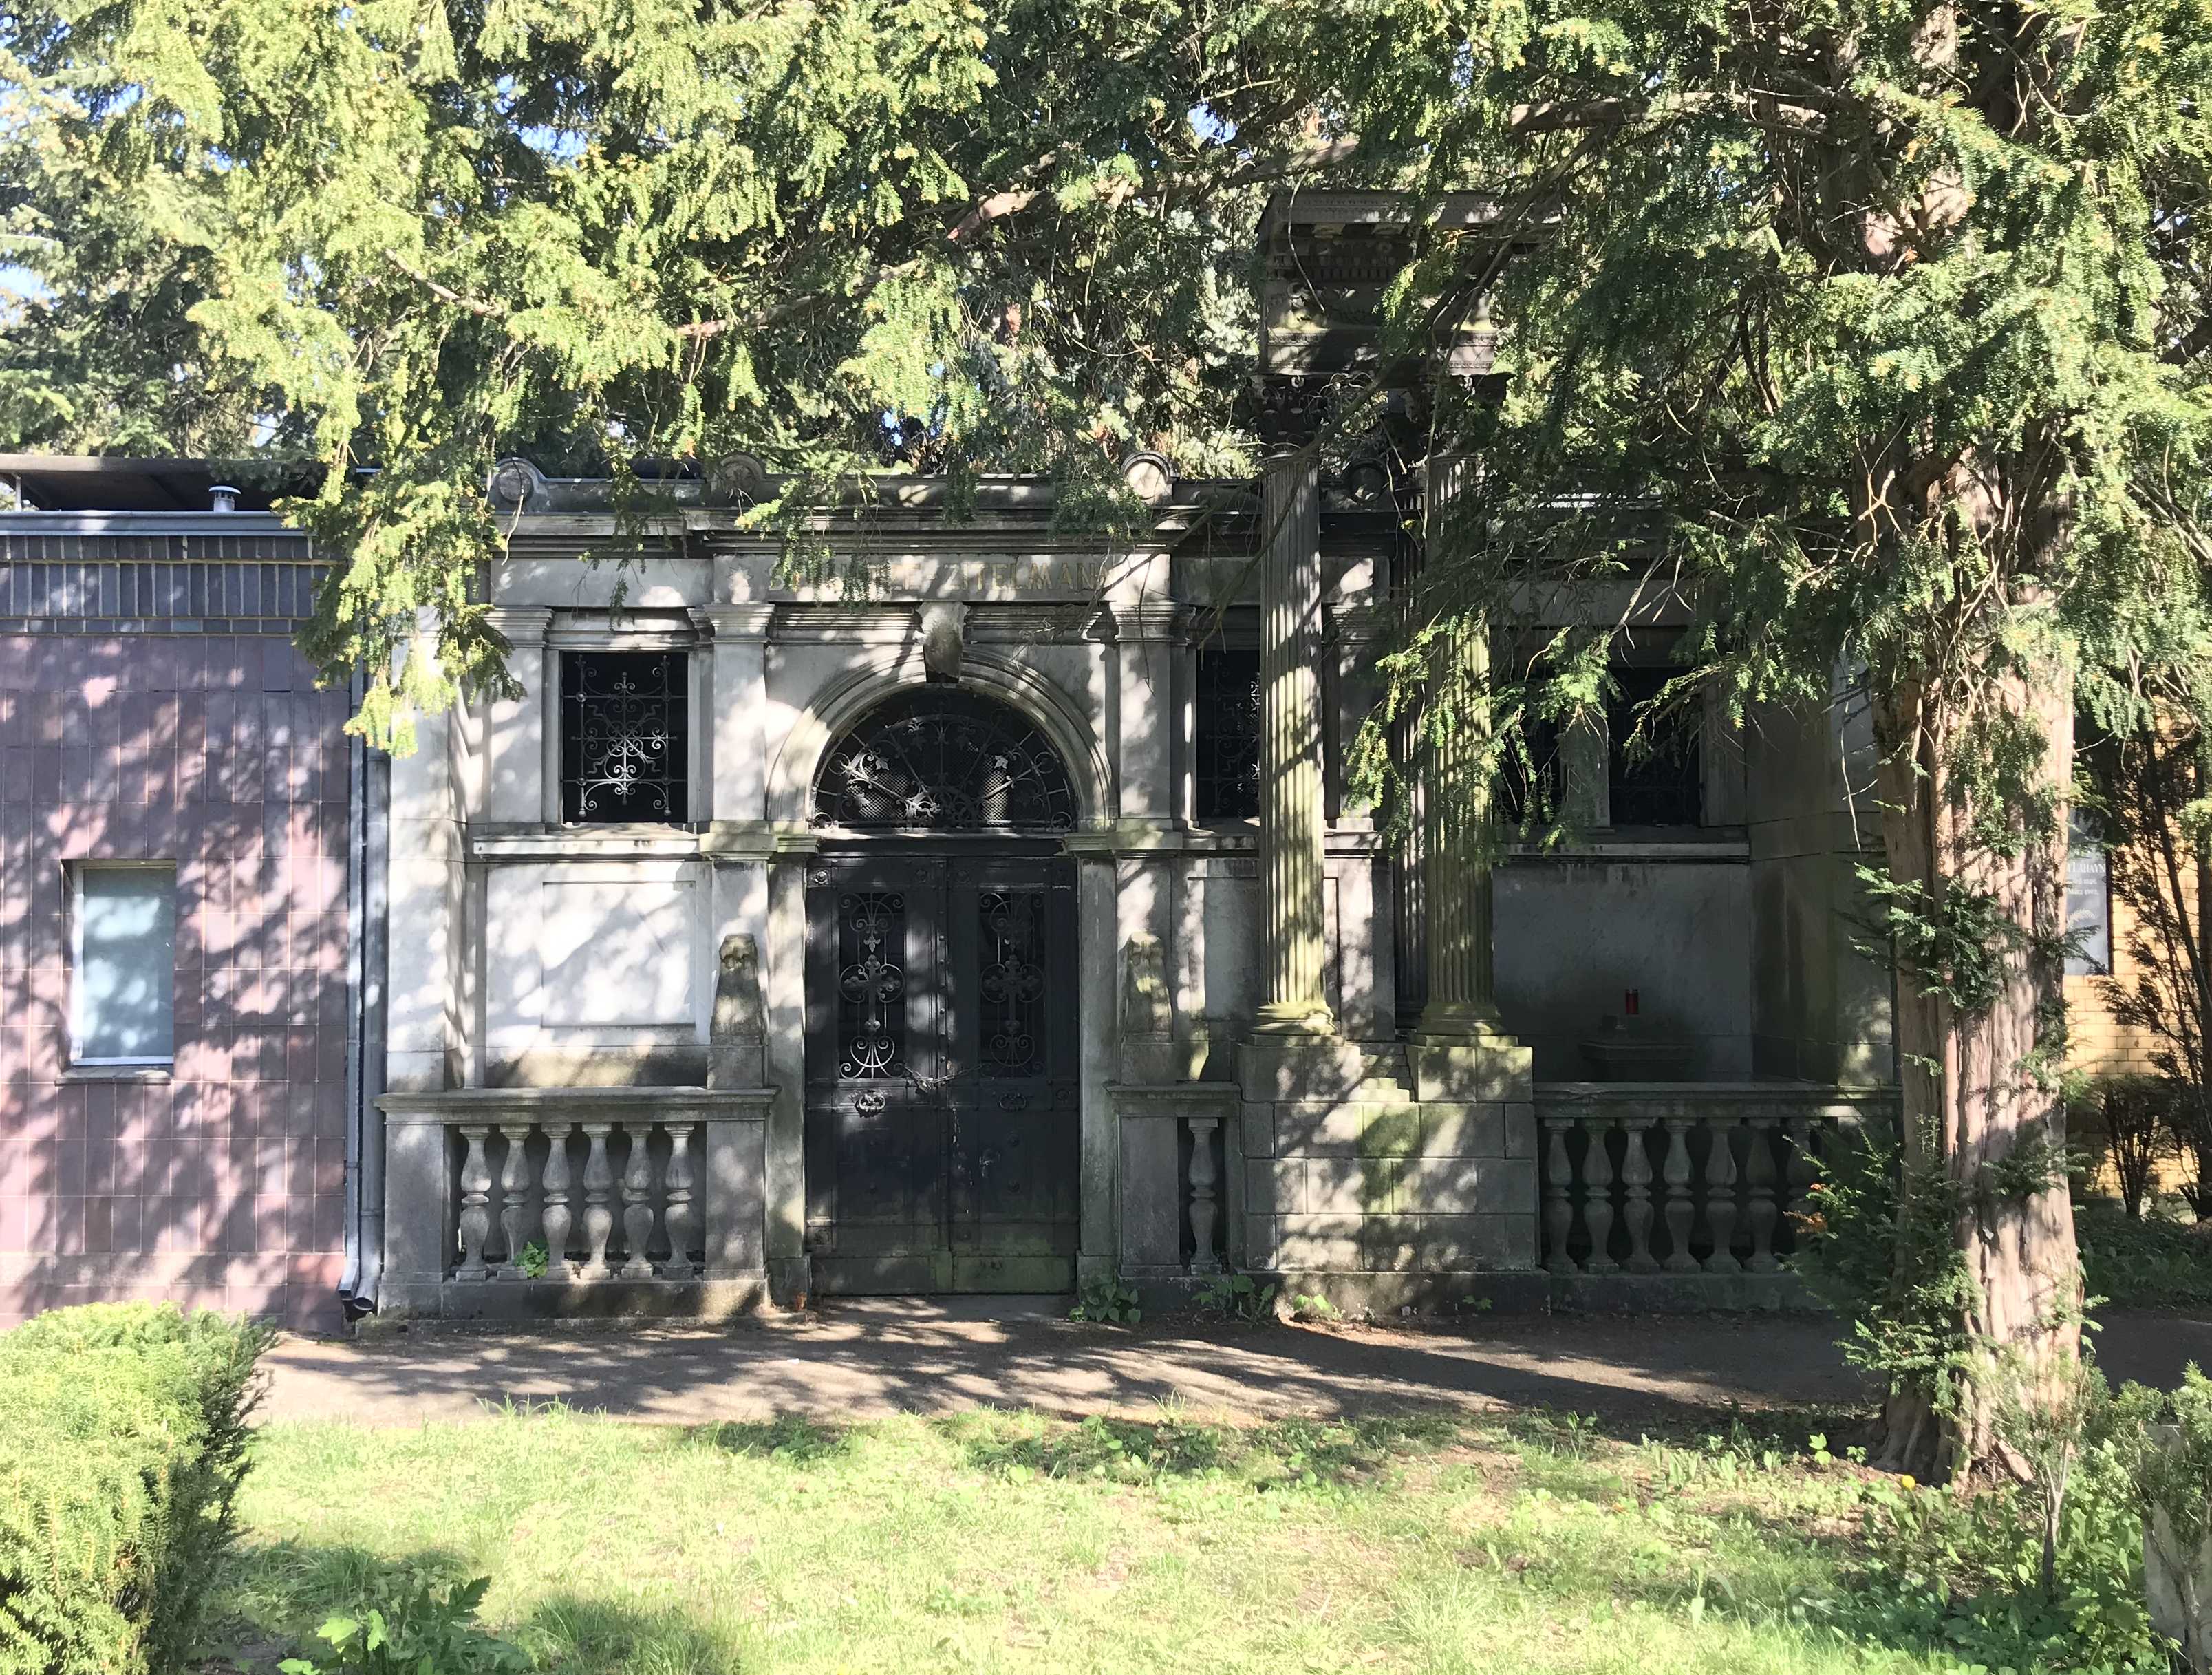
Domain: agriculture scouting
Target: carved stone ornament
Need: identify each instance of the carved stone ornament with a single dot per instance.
(737, 1012)
(737, 479)
(1149, 478)
(514, 484)
(1147, 1007)
(943, 639)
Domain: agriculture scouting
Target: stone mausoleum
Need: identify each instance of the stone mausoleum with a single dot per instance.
(991, 916)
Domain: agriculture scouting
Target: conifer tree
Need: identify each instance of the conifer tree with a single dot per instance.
(1873, 334)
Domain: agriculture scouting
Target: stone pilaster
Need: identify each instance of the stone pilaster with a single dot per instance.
(518, 789)
(737, 705)
(1291, 815)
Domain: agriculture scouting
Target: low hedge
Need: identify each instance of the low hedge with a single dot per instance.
(123, 1436)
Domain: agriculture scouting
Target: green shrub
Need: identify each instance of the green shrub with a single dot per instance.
(2129, 1118)
(2156, 1261)
(123, 1436)
(414, 1625)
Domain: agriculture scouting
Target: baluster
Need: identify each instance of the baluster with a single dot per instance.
(1597, 1195)
(681, 1218)
(1675, 1172)
(476, 1203)
(1558, 1208)
(1205, 1210)
(554, 1185)
(1798, 1170)
(1636, 1191)
(1759, 1176)
(1719, 1197)
(514, 1195)
(637, 1200)
(598, 1219)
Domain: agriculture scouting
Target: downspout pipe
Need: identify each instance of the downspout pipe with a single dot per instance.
(366, 857)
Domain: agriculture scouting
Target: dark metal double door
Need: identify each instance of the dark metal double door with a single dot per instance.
(943, 1109)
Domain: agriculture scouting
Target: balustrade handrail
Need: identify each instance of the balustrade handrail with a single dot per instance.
(1682, 1178)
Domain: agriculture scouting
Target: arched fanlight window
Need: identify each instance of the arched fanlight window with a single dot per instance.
(941, 759)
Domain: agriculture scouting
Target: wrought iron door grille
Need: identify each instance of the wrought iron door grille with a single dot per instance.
(1013, 983)
(1226, 734)
(943, 761)
(871, 986)
(624, 737)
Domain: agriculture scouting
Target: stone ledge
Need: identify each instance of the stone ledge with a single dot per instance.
(1681, 1293)
(716, 1299)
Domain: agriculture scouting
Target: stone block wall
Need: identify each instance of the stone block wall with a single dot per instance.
(1354, 1183)
(131, 736)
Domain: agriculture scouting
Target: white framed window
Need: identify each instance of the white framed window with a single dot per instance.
(123, 952)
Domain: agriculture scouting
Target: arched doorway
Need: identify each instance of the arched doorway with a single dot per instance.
(943, 1104)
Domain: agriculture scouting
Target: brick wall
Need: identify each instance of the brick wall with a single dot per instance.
(222, 1183)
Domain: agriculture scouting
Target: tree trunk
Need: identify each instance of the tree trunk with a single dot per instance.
(1976, 1092)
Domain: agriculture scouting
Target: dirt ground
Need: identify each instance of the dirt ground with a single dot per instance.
(862, 1360)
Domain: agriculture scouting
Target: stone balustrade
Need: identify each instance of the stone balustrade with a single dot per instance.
(640, 1200)
(1682, 1179)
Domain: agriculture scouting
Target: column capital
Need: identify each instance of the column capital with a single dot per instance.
(733, 622)
(1153, 621)
(1360, 625)
(522, 625)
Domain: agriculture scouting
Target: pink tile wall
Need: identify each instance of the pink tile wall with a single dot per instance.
(223, 1186)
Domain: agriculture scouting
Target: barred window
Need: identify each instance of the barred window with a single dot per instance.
(625, 739)
(1657, 776)
(1225, 735)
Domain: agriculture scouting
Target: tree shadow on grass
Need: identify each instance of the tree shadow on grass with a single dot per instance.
(277, 1595)
(791, 1439)
(1339, 1452)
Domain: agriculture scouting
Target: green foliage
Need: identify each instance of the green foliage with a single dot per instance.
(1239, 1297)
(2149, 1263)
(1313, 1307)
(2132, 1119)
(532, 1260)
(1107, 1300)
(392, 244)
(1965, 1571)
(415, 1624)
(123, 1440)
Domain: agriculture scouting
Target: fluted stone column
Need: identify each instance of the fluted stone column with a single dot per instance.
(1456, 817)
(1454, 812)
(1291, 815)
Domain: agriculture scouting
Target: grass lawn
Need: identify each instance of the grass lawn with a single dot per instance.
(1011, 1542)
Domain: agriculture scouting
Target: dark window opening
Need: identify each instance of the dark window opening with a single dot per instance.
(1655, 776)
(1529, 776)
(1225, 735)
(624, 736)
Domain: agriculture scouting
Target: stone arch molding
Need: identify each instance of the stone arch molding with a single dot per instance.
(840, 703)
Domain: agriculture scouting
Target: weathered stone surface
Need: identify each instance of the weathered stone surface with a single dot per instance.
(1462, 1130)
(1318, 1241)
(1488, 1069)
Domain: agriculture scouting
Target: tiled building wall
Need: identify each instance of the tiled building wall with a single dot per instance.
(222, 1183)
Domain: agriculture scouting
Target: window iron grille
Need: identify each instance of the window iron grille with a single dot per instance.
(624, 736)
(1225, 735)
(1656, 769)
(938, 760)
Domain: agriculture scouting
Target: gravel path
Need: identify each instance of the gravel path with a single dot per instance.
(863, 1359)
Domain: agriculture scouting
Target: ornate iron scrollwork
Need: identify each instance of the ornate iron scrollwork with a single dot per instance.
(943, 761)
(622, 736)
(871, 984)
(1011, 980)
(1227, 734)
